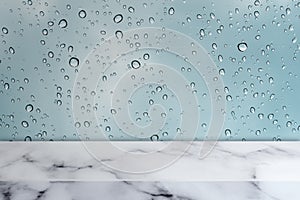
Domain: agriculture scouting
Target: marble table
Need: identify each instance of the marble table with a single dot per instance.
(242, 170)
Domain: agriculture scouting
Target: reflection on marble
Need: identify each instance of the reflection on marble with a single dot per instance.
(34, 190)
(229, 161)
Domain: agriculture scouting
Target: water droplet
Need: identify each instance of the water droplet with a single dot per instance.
(228, 132)
(12, 50)
(229, 98)
(260, 115)
(63, 23)
(288, 11)
(222, 72)
(86, 124)
(154, 137)
(294, 40)
(6, 86)
(151, 20)
(24, 124)
(252, 110)
(171, 11)
(118, 18)
(270, 116)
(131, 9)
(256, 2)
(220, 58)
(4, 30)
(146, 56)
(107, 128)
(202, 32)
(50, 54)
(257, 132)
(135, 64)
(27, 138)
(214, 46)
(113, 111)
(29, 107)
(82, 14)
(119, 34)
(242, 46)
(165, 97)
(151, 102)
(45, 32)
(256, 13)
(74, 62)
(104, 78)
(77, 125)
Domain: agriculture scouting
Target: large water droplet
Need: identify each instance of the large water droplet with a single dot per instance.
(242, 46)
(74, 62)
(118, 18)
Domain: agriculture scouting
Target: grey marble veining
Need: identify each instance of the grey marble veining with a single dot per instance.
(228, 161)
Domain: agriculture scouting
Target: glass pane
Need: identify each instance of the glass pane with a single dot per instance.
(149, 70)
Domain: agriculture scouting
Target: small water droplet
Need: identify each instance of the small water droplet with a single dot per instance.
(82, 14)
(86, 124)
(12, 50)
(24, 124)
(113, 111)
(151, 20)
(202, 32)
(228, 132)
(63, 23)
(77, 124)
(50, 54)
(131, 9)
(27, 138)
(146, 56)
(154, 137)
(135, 64)
(171, 11)
(107, 128)
(45, 32)
(260, 115)
(6, 86)
(229, 98)
(29, 107)
(214, 46)
(119, 34)
(165, 97)
(4, 30)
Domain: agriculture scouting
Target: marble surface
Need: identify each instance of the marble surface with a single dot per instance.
(72, 161)
(124, 190)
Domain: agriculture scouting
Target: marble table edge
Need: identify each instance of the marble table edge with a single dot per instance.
(228, 161)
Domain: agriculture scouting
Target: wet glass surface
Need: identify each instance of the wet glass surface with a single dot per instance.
(149, 70)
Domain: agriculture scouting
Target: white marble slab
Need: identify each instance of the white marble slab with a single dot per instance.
(72, 161)
(123, 190)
